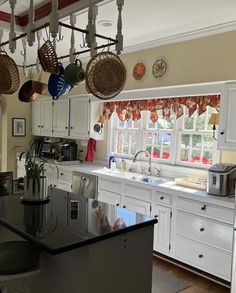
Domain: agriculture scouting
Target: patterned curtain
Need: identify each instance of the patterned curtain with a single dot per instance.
(132, 109)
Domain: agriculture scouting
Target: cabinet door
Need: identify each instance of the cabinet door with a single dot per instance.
(136, 205)
(36, 119)
(227, 130)
(61, 118)
(46, 117)
(161, 241)
(79, 118)
(109, 197)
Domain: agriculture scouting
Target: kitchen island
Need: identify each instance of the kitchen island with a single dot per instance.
(87, 245)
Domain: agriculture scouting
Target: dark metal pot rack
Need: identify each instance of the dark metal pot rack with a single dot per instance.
(111, 41)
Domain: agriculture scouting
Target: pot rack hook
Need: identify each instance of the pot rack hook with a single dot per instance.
(61, 37)
(84, 44)
(39, 35)
(47, 35)
(23, 53)
(72, 39)
(54, 19)
(119, 36)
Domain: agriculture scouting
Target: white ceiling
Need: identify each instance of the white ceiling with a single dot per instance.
(146, 23)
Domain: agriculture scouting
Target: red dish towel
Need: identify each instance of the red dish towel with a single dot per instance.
(91, 148)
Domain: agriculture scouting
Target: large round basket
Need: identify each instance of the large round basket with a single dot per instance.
(9, 75)
(48, 58)
(105, 75)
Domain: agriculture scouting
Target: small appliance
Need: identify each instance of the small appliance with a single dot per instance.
(69, 151)
(221, 179)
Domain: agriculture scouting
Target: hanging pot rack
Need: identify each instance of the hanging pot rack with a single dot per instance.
(111, 41)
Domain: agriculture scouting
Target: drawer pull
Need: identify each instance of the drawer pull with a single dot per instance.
(117, 204)
(200, 255)
(202, 229)
(162, 197)
(62, 174)
(124, 207)
(203, 208)
(156, 216)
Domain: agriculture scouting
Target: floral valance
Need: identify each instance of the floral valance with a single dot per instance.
(132, 109)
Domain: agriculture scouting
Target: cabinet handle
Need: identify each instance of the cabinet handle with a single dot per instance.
(162, 197)
(117, 204)
(71, 127)
(156, 216)
(42, 126)
(61, 174)
(50, 185)
(203, 208)
(38, 126)
(66, 127)
(124, 207)
(222, 132)
(200, 255)
(202, 229)
(54, 185)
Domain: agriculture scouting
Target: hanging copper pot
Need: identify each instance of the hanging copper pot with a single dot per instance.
(31, 89)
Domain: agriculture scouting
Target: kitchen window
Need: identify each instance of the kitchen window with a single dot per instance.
(184, 141)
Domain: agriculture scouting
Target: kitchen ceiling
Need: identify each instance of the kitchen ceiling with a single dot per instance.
(145, 23)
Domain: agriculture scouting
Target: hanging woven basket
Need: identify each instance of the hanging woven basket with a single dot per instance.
(105, 75)
(48, 58)
(9, 75)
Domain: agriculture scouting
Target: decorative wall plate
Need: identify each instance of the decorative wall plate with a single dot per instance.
(139, 71)
(159, 68)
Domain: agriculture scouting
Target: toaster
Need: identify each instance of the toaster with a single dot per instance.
(221, 179)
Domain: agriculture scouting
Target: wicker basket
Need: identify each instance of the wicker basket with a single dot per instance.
(105, 75)
(9, 75)
(48, 58)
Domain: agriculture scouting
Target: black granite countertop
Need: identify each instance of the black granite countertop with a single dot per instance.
(67, 221)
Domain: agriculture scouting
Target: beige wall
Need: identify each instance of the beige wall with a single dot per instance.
(13, 108)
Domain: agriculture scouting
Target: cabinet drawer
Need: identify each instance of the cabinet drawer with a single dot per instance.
(206, 210)
(205, 230)
(65, 175)
(110, 185)
(162, 197)
(136, 205)
(209, 259)
(109, 197)
(138, 192)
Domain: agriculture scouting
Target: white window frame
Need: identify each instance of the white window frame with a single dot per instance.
(174, 146)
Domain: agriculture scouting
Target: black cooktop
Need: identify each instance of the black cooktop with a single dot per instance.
(67, 221)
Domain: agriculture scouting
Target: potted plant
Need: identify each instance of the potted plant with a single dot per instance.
(35, 182)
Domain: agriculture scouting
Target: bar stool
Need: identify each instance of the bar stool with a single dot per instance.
(18, 260)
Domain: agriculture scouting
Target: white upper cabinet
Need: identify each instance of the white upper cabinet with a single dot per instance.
(79, 117)
(60, 126)
(227, 129)
(42, 117)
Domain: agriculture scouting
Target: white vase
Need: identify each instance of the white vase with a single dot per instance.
(34, 190)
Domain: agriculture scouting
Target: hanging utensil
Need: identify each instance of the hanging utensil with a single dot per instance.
(31, 26)
(39, 35)
(12, 34)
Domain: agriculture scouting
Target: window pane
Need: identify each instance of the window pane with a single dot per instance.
(125, 143)
(160, 123)
(200, 122)
(196, 141)
(165, 153)
(166, 139)
(151, 125)
(196, 156)
(158, 138)
(133, 124)
(156, 152)
(207, 158)
(208, 142)
(149, 138)
(184, 153)
(169, 123)
(121, 124)
(185, 140)
(189, 122)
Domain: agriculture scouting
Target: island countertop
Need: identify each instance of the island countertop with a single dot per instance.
(67, 221)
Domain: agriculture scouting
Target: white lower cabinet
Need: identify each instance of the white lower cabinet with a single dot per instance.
(162, 229)
(214, 261)
(204, 236)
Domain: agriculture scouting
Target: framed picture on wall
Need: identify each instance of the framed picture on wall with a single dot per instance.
(18, 127)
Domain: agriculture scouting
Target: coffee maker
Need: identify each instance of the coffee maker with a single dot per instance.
(69, 151)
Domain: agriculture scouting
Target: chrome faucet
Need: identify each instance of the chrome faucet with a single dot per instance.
(149, 162)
